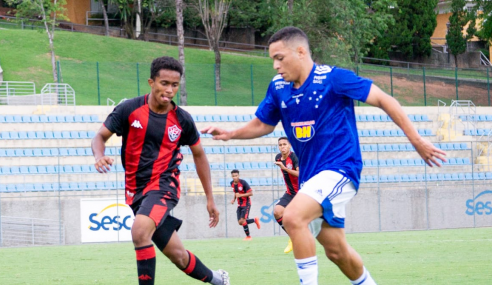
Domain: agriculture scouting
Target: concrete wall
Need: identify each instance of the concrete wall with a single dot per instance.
(392, 208)
(76, 10)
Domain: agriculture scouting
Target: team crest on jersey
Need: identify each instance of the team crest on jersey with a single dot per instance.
(173, 132)
(240, 188)
(303, 131)
(289, 166)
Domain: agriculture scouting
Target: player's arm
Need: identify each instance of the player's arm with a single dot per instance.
(203, 171)
(253, 129)
(247, 194)
(390, 105)
(98, 147)
(290, 171)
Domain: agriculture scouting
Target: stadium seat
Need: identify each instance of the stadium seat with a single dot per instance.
(412, 118)
(488, 175)
(425, 118)
(394, 133)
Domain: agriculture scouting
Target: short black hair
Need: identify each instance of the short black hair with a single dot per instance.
(286, 34)
(165, 62)
(283, 138)
(235, 171)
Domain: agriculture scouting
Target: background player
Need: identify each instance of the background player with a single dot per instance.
(316, 107)
(288, 163)
(242, 192)
(153, 130)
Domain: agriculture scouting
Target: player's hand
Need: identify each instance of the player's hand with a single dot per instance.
(217, 133)
(103, 164)
(429, 152)
(279, 164)
(233, 200)
(213, 213)
(237, 195)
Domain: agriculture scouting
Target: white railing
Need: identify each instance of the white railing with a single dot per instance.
(110, 103)
(484, 60)
(65, 95)
(15, 88)
(16, 231)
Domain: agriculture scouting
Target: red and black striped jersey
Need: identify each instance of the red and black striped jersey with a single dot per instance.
(242, 187)
(291, 181)
(151, 145)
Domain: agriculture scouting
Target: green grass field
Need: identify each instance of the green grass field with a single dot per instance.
(458, 256)
(24, 56)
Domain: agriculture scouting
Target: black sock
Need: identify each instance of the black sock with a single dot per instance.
(246, 229)
(250, 221)
(279, 221)
(145, 264)
(196, 269)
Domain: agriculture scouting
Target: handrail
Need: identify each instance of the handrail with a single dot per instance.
(484, 60)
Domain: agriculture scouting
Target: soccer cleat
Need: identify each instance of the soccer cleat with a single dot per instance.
(289, 247)
(248, 238)
(257, 222)
(225, 276)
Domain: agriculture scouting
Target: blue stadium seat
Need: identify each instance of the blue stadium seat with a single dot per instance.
(85, 169)
(26, 119)
(466, 161)
(73, 186)
(17, 119)
(91, 134)
(77, 169)
(2, 119)
(95, 119)
(418, 118)
(75, 134)
(412, 118)
(119, 167)
(216, 118)
(56, 135)
(412, 178)
(3, 152)
(9, 119)
(224, 118)
(379, 133)
(365, 133)
(69, 119)
(394, 133)
(400, 133)
(387, 133)
(455, 177)
(428, 132)
(23, 170)
(488, 175)
(425, 118)
(32, 169)
(5, 135)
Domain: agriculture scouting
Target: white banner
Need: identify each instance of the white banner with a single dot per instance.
(105, 219)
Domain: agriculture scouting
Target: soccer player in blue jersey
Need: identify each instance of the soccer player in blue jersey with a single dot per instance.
(316, 106)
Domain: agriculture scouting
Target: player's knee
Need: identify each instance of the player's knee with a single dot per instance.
(336, 255)
(241, 222)
(291, 220)
(141, 236)
(278, 212)
(178, 256)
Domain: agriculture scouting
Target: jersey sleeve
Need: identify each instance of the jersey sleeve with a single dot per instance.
(246, 187)
(268, 111)
(278, 157)
(295, 161)
(116, 121)
(232, 186)
(347, 83)
(190, 135)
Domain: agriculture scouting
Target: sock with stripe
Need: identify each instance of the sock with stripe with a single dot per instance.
(279, 221)
(145, 264)
(246, 228)
(250, 221)
(307, 268)
(196, 269)
(364, 279)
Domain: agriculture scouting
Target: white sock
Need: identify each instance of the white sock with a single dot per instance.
(307, 268)
(364, 279)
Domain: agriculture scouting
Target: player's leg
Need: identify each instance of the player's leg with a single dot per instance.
(343, 255)
(250, 221)
(278, 213)
(188, 262)
(297, 216)
(142, 231)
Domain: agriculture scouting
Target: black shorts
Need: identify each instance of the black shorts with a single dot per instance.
(285, 200)
(156, 204)
(243, 212)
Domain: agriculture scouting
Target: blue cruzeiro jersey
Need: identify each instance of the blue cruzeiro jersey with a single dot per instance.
(319, 119)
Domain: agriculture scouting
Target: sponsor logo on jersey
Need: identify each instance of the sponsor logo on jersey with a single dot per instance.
(303, 131)
(173, 132)
(280, 84)
(319, 79)
(136, 124)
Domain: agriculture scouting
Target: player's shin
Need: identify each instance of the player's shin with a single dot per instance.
(307, 268)
(196, 269)
(145, 264)
(246, 229)
(279, 221)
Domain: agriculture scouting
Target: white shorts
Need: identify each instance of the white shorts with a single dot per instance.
(332, 191)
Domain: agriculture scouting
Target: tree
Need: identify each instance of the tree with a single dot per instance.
(485, 23)
(459, 18)
(214, 19)
(49, 11)
(338, 31)
(180, 31)
(415, 22)
(105, 16)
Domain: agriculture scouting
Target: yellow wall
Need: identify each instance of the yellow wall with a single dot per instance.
(440, 31)
(76, 10)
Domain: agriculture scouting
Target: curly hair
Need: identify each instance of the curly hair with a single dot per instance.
(165, 62)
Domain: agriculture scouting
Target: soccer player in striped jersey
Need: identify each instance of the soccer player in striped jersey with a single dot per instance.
(242, 192)
(153, 130)
(289, 165)
(315, 104)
